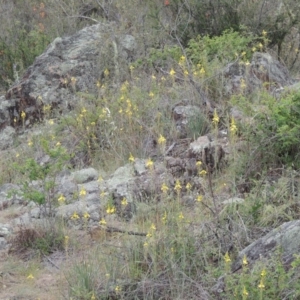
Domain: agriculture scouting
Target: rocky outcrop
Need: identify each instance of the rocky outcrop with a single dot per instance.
(285, 238)
(264, 71)
(68, 65)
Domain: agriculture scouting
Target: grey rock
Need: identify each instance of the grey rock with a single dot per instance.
(3, 243)
(263, 71)
(139, 167)
(122, 176)
(85, 175)
(285, 238)
(233, 200)
(183, 115)
(210, 153)
(83, 57)
(7, 137)
(5, 230)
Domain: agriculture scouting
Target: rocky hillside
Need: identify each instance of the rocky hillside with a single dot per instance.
(141, 159)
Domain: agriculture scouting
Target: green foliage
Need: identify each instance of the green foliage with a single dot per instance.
(45, 174)
(224, 48)
(18, 54)
(278, 124)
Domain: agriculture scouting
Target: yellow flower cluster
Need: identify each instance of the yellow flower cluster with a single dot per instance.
(164, 188)
(178, 186)
(149, 164)
(233, 127)
(111, 209)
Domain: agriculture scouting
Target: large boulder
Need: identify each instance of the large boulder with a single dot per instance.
(68, 65)
(264, 71)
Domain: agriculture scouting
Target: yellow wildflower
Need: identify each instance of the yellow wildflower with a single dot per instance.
(178, 186)
(151, 94)
(30, 143)
(243, 53)
(245, 292)
(66, 241)
(260, 46)
(202, 71)
(227, 258)
(149, 235)
(199, 198)
(58, 144)
(152, 227)
(83, 111)
(106, 72)
(100, 179)
(188, 186)
(86, 215)
(61, 199)
(245, 262)
(98, 84)
(247, 63)
(23, 115)
(261, 285)
(74, 216)
(93, 297)
(263, 273)
(161, 140)
(172, 72)
(181, 60)
(131, 68)
(51, 122)
(124, 201)
(102, 222)
(164, 218)
(111, 209)
(149, 164)
(181, 216)
(243, 84)
(131, 158)
(233, 128)
(153, 77)
(30, 276)
(118, 289)
(202, 173)
(264, 33)
(253, 49)
(82, 192)
(17, 154)
(198, 163)
(146, 244)
(216, 118)
(164, 188)
(186, 72)
(73, 80)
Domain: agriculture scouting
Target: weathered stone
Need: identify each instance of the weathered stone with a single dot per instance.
(285, 238)
(5, 230)
(7, 137)
(82, 57)
(233, 200)
(264, 72)
(122, 176)
(182, 115)
(85, 175)
(210, 153)
(3, 243)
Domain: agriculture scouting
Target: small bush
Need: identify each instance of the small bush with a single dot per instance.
(44, 239)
